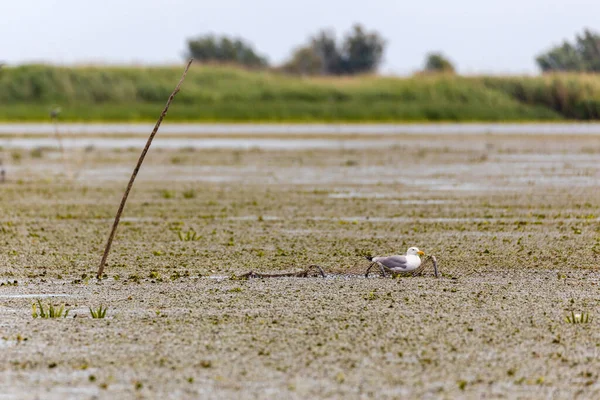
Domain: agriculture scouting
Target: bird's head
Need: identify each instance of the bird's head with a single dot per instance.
(413, 251)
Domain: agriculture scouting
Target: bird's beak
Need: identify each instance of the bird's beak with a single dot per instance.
(421, 253)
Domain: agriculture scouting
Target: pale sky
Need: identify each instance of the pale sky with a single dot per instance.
(480, 36)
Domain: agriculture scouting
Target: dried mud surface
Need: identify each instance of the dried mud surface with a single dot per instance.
(512, 220)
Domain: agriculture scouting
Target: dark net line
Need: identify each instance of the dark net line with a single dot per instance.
(316, 270)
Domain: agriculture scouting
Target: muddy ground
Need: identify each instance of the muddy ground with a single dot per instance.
(513, 221)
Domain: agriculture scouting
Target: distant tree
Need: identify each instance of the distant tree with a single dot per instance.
(437, 62)
(304, 61)
(209, 48)
(561, 58)
(324, 45)
(588, 45)
(360, 52)
(582, 56)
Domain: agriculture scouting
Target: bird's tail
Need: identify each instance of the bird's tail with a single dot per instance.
(370, 258)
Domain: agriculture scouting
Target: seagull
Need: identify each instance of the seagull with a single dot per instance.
(398, 264)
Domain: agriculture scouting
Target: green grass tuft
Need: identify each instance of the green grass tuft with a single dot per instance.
(100, 312)
(582, 318)
(189, 236)
(49, 312)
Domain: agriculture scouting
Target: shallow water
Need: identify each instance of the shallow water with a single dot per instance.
(392, 196)
(205, 143)
(331, 129)
(32, 296)
(263, 136)
(7, 343)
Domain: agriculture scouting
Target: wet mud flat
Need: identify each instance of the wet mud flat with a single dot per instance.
(514, 222)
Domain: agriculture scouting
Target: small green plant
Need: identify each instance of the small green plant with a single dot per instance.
(580, 318)
(51, 312)
(38, 152)
(100, 312)
(189, 194)
(154, 275)
(16, 156)
(167, 194)
(371, 295)
(189, 236)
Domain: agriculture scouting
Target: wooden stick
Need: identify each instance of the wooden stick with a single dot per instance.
(435, 267)
(135, 172)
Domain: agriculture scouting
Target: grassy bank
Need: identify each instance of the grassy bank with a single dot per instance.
(212, 93)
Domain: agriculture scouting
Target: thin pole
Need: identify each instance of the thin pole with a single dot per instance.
(54, 116)
(136, 170)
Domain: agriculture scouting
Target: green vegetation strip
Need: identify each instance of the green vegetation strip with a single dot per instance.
(28, 93)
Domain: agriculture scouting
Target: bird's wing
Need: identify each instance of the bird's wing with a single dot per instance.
(393, 262)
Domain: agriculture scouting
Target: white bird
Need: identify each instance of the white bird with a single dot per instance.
(397, 264)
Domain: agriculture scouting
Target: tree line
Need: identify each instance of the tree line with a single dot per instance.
(362, 51)
(583, 55)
